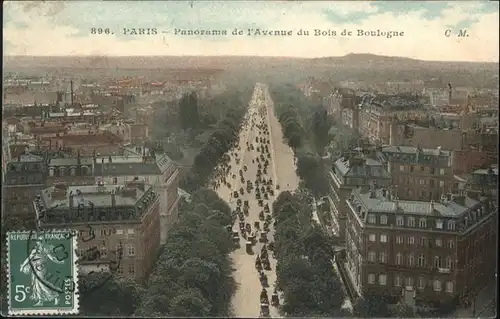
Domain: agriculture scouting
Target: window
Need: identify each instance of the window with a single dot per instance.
(401, 168)
(383, 238)
(399, 258)
(441, 171)
(439, 224)
(372, 256)
(422, 223)
(372, 237)
(411, 222)
(411, 168)
(397, 281)
(422, 182)
(421, 283)
(437, 262)
(372, 219)
(409, 282)
(120, 270)
(439, 242)
(400, 221)
(104, 252)
(119, 231)
(119, 250)
(399, 239)
(130, 231)
(383, 219)
(431, 183)
(421, 260)
(437, 285)
(131, 250)
(433, 171)
(449, 286)
(441, 183)
(411, 240)
(422, 241)
(411, 260)
(451, 225)
(371, 279)
(383, 257)
(449, 263)
(451, 243)
(131, 270)
(382, 279)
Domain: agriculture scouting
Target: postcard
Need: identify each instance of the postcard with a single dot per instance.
(250, 158)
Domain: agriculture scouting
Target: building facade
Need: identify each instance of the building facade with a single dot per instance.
(348, 172)
(118, 225)
(419, 173)
(24, 177)
(157, 170)
(436, 249)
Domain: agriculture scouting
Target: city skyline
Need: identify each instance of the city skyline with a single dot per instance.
(63, 28)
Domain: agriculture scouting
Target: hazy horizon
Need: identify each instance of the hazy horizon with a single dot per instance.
(238, 56)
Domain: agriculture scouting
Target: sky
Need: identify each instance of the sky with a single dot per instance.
(61, 28)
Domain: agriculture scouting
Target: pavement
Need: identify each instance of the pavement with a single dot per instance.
(246, 300)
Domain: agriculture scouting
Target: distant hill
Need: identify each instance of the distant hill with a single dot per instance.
(231, 62)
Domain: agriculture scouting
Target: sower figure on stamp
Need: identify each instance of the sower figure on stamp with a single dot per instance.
(36, 265)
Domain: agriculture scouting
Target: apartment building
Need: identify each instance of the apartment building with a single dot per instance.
(120, 224)
(25, 175)
(483, 182)
(157, 170)
(419, 173)
(441, 251)
(379, 114)
(347, 173)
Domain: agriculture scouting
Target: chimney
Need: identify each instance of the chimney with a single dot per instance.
(71, 86)
(459, 199)
(71, 204)
(113, 197)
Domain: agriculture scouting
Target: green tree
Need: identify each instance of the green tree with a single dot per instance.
(121, 296)
(371, 305)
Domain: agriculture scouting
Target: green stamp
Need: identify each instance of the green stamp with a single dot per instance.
(43, 274)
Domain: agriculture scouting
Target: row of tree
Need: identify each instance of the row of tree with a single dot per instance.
(304, 272)
(221, 140)
(189, 116)
(193, 274)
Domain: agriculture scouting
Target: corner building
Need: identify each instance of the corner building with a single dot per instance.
(109, 219)
(440, 251)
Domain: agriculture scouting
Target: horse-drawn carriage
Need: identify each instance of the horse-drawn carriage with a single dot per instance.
(263, 237)
(242, 191)
(275, 300)
(261, 215)
(236, 238)
(261, 202)
(266, 196)
(239, 202)
(263, 279)
(235, 194)
(249, 247)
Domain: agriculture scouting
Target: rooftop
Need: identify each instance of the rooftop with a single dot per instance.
(382, 201)
(357, 166)
(414, 150)
(100, 203)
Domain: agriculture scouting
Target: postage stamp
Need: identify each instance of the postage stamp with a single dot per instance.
(42, 273)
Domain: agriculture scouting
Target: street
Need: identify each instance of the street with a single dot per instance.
(281, 169)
